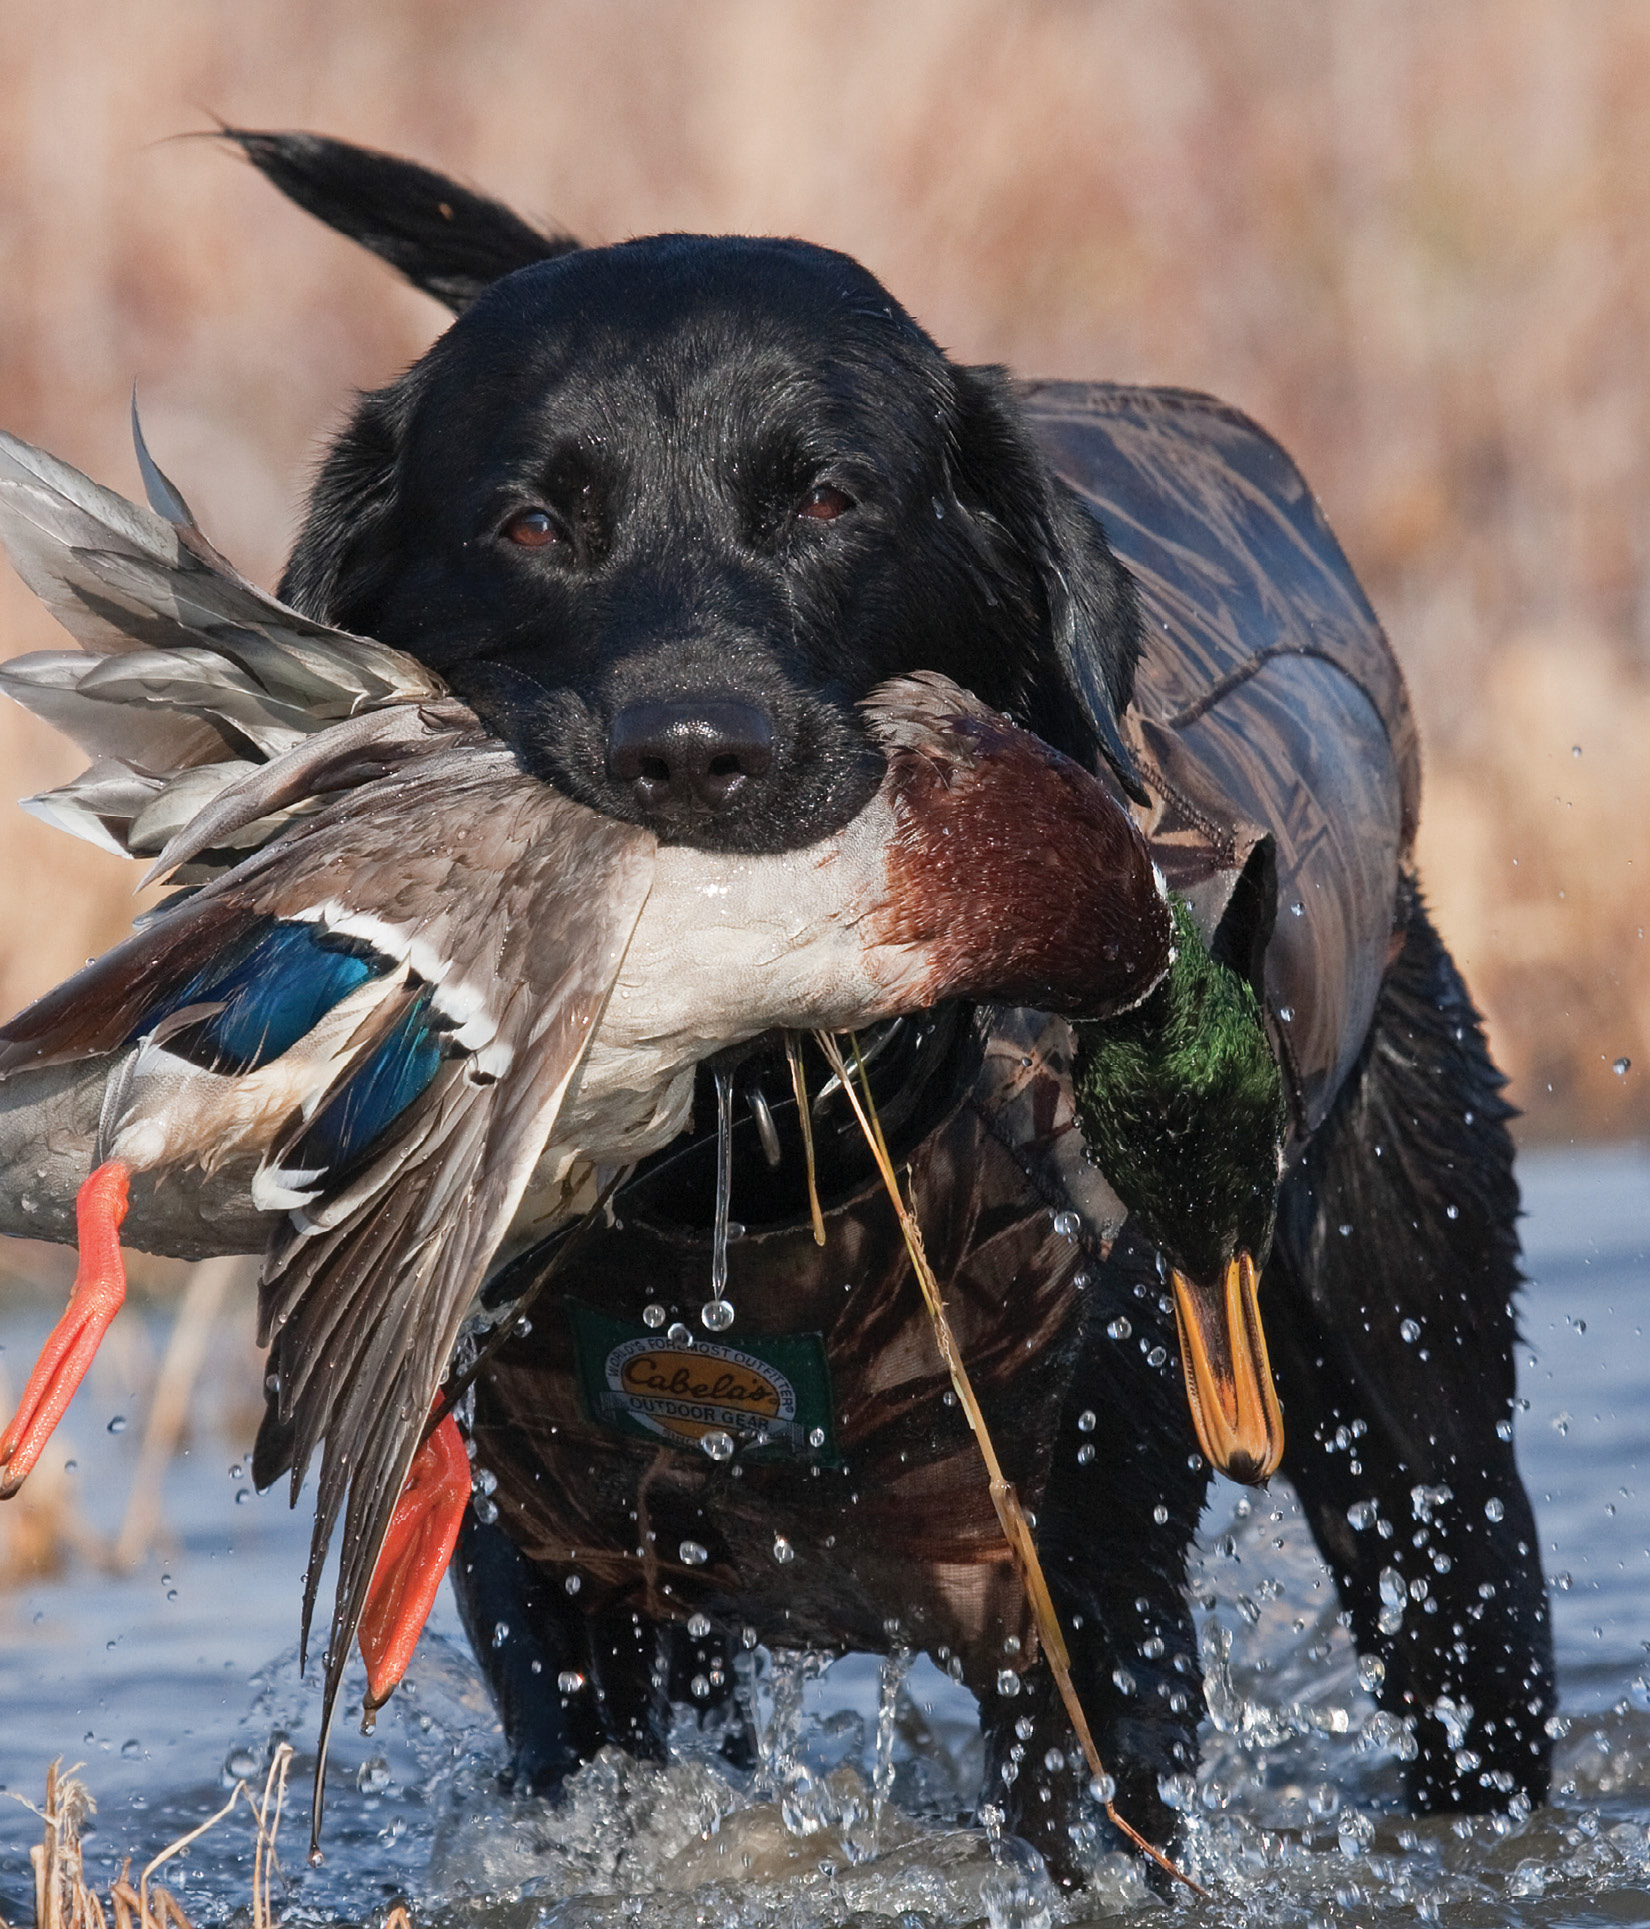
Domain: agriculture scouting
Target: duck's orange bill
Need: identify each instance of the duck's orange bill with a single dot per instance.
(1228, 1376)
(99, 1289)
(422, 1534)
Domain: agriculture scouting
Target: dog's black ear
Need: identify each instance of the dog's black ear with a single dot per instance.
(446, 240)
(335, 571)
(1088, 611)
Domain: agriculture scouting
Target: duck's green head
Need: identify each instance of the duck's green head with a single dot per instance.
(1181, 1105)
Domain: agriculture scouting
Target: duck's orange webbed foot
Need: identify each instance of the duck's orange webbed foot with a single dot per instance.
(99, 1289)
(422, 1534)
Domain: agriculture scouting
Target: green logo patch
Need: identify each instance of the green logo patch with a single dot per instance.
(771, 1395)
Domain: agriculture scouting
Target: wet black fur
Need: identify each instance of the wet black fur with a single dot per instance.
(670, 402)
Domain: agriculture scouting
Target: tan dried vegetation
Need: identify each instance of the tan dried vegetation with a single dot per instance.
(1411, 236)
(64, 1899)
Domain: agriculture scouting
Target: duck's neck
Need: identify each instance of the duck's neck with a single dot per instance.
(1181, 1105)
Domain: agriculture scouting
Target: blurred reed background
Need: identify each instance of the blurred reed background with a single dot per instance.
(1411, 236)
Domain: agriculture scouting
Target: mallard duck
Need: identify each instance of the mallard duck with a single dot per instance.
(1181, 1102)
(413, 999)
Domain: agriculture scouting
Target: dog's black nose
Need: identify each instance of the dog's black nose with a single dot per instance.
(694, 752)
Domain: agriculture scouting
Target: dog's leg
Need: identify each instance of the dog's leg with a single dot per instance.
(1113, 1531)
(548, 1731)
(1389, 1306)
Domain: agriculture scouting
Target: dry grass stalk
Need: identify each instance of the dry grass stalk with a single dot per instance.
(61, 1897)
(64, 1900)
(1010, 1514)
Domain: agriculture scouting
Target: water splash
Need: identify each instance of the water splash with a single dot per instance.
(896, 1665)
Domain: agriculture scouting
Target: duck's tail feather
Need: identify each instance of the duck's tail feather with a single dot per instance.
(445, 239)
(188, 675)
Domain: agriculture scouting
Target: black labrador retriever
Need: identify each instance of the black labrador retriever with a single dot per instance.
(663, 513)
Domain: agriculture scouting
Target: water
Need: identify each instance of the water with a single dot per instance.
(172, 1681)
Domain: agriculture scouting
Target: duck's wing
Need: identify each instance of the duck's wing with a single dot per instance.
(189, 677)
(491, 914)
(511, 927)
(444, 238)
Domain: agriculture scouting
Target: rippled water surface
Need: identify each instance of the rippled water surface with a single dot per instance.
(171, 1682)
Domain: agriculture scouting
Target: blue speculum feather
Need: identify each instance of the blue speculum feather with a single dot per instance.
(275, 984)
(386, 1083)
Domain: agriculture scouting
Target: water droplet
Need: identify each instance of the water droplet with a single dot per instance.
(1297, 909)
(524, 1326)
(1160, 1514)
(572, 1584)
(783, 1552)
(242, 1496)
(1118, 1329)
(1503, 1429)
(1371, 1672)
(1122, 1681)
(118, 1423)
(1067, 1224)
(1025, 1727)
(1102, 1789)
(1286, 1014)
(1011, 1644)
(716, 1315)
(1008, 1682)
(654, 1315)
(1452, 1212)
(691, 1554)
(373, 1776)
(699, 1688)
(1622, 1066)
(501, 1633)
(1561, 1424)
(698, 1626)
(1157, 1356)
(1411, 1330)
(570, 1681)
(1575, 750)
(485, 1510)
(1085, 1420)
(171, 1594)
(237, 1472)
(816, 1436)
(1354, 1834)
(1085, 1454)
(1362, 1514)
(485, 1481)
(678, 1335)
(71, 1466)
(716, 1444)
(1495, 1510)
(1563, 1583)
(132, 1750)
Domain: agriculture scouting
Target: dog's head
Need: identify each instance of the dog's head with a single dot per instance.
(665, 512)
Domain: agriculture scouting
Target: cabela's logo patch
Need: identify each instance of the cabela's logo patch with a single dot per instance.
(771, 1396)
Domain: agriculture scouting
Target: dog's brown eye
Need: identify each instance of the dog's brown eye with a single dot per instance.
(533, 529)
(824, 504)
